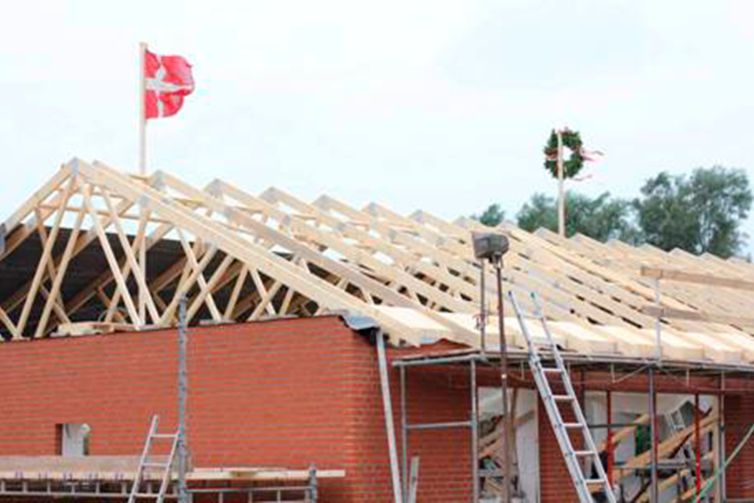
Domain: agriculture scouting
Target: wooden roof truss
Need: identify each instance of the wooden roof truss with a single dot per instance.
(247, 257)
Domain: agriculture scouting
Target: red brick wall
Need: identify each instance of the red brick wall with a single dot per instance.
(278, 393)
(739, 414)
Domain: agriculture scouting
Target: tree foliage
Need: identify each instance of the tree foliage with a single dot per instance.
(492, 216)
(698, 213)
(601, 218)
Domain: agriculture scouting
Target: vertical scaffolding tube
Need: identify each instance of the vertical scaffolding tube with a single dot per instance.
(388, 412)
(404, 432)
(474, 432)
(483, 311)
(697, 447)
(507, 475)
(183, 495)
(721, 437)
(610, 454)
(653, 492)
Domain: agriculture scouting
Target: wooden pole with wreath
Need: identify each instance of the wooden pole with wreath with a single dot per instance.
(562, 169)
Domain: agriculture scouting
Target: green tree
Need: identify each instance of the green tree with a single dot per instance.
(601, 218)
(492, 216)
(698, 213)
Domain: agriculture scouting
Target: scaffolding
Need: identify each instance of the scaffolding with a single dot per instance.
(615, 373)
(258, 485)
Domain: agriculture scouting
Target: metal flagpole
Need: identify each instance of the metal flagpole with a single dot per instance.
(143, 171)
(561, 190)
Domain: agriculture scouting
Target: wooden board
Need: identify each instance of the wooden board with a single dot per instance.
(117, 468)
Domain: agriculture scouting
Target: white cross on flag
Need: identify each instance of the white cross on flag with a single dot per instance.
(168, 80)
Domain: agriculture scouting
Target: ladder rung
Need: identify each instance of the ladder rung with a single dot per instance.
(573, 425)
(164, 435)
(155, 465)
(551, 370)
(562, 398)
(595, 481)
(584, 453)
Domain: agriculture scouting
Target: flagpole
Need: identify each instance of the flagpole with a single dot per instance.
(561, 188)
(143, 171)
(142, 111)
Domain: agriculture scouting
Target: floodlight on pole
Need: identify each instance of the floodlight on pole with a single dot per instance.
(491, 246)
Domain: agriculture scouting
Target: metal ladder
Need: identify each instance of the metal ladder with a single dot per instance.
(551, 401)
(145, 464)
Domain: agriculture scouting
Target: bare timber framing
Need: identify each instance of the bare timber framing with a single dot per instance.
(75, 252)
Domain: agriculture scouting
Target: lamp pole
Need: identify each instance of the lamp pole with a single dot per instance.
(491, 247)
(506, 496)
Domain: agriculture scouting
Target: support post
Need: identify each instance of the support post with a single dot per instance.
(183, 495)
(413, 486)
(653, 490)
(404, 430)
(561, 185)
(474, 432)
(483, 301)
(610, 453)
(722, 492)
(142, 109)
(387, 406)
(312, 484)
(658, 322)
(507, 476)
(697, 447)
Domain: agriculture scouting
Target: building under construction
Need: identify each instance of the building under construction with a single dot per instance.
(341, 354)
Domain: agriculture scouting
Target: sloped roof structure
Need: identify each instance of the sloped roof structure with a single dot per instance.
(98, 245)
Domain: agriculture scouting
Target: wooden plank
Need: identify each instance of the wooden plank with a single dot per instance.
(184, 286)
(134, 265)
(665, 447)
(111, 260)
(46, 256)
(625, 432)
(668, 312)
(702, 279)
(236, 292)
(207, 289)
(115, 468)
(199, 277)
(57, 282)
(310, 255)
(333, 241)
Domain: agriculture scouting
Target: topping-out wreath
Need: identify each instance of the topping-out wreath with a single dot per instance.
(571, 165)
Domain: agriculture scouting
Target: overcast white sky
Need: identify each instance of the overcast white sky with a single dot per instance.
(437, 105)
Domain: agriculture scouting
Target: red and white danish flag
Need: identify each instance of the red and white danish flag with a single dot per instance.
(168, 80)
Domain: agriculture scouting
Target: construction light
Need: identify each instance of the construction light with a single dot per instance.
(490, 246)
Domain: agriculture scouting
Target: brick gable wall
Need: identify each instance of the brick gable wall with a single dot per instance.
(277, 393)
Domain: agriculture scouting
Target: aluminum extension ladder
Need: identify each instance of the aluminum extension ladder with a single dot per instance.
(559, 373)
(146, 464)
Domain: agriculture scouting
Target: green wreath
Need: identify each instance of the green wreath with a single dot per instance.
(572, 165)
